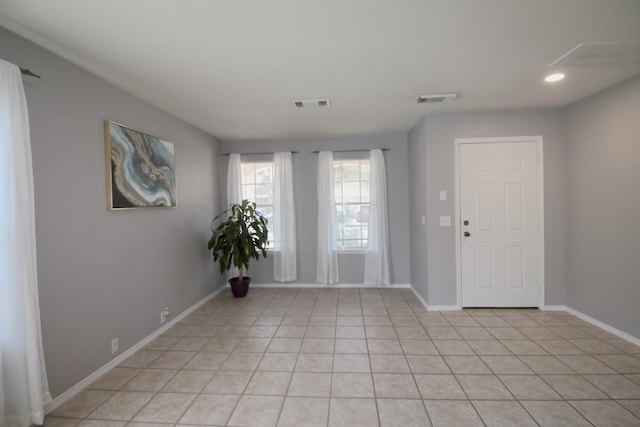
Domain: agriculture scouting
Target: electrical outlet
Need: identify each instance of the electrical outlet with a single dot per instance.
(114, 345)
(164, 314)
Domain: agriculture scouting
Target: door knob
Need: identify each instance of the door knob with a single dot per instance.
(467, 234)
(466, 222)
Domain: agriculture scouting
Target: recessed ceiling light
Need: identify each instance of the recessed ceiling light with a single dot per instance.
(555, 77)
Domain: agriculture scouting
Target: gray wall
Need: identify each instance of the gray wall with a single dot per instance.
(305, 166)
(603, 206)
(437, 133)
(104, 274)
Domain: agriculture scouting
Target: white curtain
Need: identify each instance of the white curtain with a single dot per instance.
(284, 220)
(234, 192)
(23, 381)
(327, 267)
(376, 266)
(234, 180)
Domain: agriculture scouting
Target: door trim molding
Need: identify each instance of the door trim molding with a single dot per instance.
(539, 145)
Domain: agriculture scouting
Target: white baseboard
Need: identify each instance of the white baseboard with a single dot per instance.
(336, 285)
(126, 354)
(430, 307)
(422, 300)
(443, 308)
(595, 322)
(554, 308)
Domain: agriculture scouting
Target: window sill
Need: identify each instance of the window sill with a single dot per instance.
(339, 251)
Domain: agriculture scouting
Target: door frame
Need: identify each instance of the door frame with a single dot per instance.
(458, 229)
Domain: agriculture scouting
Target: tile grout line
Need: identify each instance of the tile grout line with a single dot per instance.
(475, 409)
(395, 310)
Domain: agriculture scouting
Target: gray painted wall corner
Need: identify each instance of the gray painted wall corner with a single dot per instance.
(417, 159)
(603, 206)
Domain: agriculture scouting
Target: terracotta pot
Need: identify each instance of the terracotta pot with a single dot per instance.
(240, 288)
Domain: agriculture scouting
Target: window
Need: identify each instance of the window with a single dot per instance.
(352, 180)
(257, 186)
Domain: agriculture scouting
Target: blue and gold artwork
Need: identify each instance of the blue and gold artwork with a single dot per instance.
(140, 169)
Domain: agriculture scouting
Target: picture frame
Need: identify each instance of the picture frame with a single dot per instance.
(140, 169)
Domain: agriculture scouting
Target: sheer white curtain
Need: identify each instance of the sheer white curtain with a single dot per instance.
(234, 192)
(284, 219)
(376, 266)
(327, 267)
(234, 179)
(23, 382)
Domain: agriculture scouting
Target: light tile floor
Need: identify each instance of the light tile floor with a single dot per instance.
(366, 357)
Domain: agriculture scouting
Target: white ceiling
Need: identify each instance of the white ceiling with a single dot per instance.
(233, 67)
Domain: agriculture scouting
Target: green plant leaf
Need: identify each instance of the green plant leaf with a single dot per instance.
(240, 236)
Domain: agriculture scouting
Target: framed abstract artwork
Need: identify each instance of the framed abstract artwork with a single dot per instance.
(140, 169)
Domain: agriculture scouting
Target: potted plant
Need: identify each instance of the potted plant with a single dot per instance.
(240, 235)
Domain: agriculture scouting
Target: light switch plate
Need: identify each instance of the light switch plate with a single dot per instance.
(445, 221)
(443, 194)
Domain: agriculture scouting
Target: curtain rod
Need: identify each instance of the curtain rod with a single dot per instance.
(350, 151)
(312, 152)
(27, 72)
(257, 154)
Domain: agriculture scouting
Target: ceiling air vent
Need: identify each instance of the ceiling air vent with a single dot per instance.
(601, 53)
(311, 103)
(436, 97)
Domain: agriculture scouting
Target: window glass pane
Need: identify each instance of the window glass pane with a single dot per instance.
(365, 171)
(352, 231)
(351, 244)
(351, 171)
(264, 194)
(365, 190)
(338, 191)
(257, 186)
(352, 189)
(339, 233)
(351, 192)
(340, 214)
(264, 173)
(249, 192)
(266, 211)
(361, 214)
(248, 171)
(337, 171)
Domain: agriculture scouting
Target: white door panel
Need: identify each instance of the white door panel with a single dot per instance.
(499, 210)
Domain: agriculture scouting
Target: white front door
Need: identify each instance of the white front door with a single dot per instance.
(500, 222)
